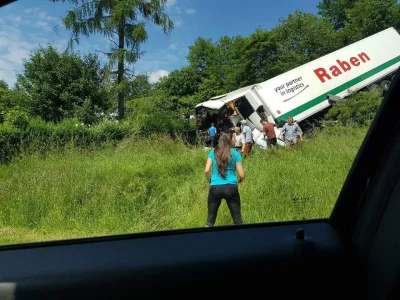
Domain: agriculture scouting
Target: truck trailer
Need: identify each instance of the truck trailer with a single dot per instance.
(307, 90)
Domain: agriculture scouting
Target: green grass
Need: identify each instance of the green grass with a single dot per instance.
(148, 186)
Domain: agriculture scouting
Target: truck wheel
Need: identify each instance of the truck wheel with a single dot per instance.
(373, 86)
(385, 84)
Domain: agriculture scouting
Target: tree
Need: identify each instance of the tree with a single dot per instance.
(335, 11)
(202, 56)
(177, 90)
(303, 37)
(368, 17)
(121, 19)
(3, 85)
(219, 65)
(140, 86)
(260, 56)
(63, 85)
(10, 99)
(229, 64)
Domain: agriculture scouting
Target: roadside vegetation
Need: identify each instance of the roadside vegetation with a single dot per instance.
(157, 184)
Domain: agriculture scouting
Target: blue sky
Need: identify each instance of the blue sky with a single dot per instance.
(27, 23)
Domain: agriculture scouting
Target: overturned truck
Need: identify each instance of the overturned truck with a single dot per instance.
(311, 88)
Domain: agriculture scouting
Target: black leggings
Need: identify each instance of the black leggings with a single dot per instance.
(230, 193)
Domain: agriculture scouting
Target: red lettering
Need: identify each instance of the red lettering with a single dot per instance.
(344, 65)
(354, 61)
(321, 73)
(335, 71)
(364, 57)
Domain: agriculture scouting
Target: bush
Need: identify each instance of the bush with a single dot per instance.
(21, 135)
(150, 116)
(359, 109)
(17, 118)
(10, 142)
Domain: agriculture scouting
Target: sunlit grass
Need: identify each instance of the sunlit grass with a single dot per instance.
(148, 185)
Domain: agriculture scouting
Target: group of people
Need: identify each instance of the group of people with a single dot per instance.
(242, 137)
(224, 167)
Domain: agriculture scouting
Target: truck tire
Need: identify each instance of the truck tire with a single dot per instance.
(373, 86)
(385, 84)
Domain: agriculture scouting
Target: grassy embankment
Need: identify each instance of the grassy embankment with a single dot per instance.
(148, 186)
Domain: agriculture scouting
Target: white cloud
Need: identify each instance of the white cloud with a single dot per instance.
(171, 57)
(43, 15)
(31, 10)
(157, 75)
(16, 18)
(12, 51)
(16, 54)
(170, 3)
(190, 11)
(172, 46)
(146, 64)
(178, 23)
(44, 25)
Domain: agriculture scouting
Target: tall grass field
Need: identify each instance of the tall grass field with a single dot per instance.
(151, 185)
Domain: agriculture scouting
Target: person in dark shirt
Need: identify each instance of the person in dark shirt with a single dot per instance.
(269, 132)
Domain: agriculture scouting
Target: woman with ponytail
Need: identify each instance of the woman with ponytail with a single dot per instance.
(222, 164)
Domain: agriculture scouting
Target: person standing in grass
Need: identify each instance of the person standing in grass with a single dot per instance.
(248, 139)
(222, 164)
(212, 132)
(269, 133)
(237, 139)
(292, 131)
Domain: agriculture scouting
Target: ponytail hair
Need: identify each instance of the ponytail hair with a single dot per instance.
(222, 153)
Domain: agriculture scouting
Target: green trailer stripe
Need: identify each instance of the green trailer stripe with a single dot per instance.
(337, 90)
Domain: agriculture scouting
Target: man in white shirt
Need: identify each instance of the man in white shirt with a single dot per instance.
(237, 139)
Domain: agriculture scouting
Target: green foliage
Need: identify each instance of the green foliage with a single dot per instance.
(302, 37)
(3, 85)
(359, 109)
(335, 11)
(201, 55)
(9, 99)
(17, 118)
(140, 86)
(157, 184)
(60, 86)
(368, 17)
(21, 134)
(260, 57)
(122, 19)
(149, 115)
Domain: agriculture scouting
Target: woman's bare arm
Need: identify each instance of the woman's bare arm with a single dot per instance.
(240, 171)
(207, 170)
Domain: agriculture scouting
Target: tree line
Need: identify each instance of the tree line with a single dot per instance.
(56, 86)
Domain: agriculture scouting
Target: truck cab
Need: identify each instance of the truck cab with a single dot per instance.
(227, 110)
